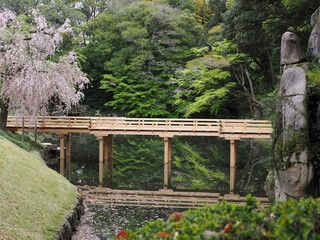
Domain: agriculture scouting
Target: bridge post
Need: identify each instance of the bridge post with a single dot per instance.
(68, 153)
(61, 154)
(233, 163)
(100, 161)
(106, 160)
(110, 158)
(170, 158)
(167, 162)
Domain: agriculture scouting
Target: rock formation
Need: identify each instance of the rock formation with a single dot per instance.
(294, 171)
(314, 40)
(291, 51)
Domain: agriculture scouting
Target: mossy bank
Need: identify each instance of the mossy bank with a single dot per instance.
(35, 201)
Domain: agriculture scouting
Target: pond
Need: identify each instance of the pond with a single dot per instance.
(198, 164)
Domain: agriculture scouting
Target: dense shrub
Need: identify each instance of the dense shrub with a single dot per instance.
(283, 220)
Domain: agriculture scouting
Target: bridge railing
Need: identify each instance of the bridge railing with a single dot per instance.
(245, 126)
(211, 125)
(50, 122)
(158, 124)
(145, 124)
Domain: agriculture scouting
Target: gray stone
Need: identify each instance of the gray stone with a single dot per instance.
(294, 172)
(314, 44)
(315, 17)
(293, 87)
(291, 51)
(294, 181)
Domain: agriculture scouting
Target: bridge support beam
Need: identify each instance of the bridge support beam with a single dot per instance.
(167, 162)
(68, 153)
(233, 164)
(106, 160)
(110, 142)
(61, 154)
(100, 161)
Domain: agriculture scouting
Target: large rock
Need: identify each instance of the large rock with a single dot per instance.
(314, 44)
(315, 17)
(294, 172)
(291, 51)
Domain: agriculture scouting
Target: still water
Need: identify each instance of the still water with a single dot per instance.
(198, 164)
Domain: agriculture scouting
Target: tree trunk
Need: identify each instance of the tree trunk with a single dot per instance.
(273, 78)
(3, 116)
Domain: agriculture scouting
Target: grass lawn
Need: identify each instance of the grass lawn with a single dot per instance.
(34, 200)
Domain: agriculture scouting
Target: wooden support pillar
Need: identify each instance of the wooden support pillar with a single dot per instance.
(110, 158)
(167, 162)
(100, 161)
(68, 157)
(106, 160)
(170, 158)
(233, 164)
(61, 154)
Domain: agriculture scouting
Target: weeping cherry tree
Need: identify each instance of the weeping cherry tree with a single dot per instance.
(31, 75)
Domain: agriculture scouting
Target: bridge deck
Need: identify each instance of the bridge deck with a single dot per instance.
(226, 128)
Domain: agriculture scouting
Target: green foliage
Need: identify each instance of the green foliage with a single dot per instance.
(296, 219)
(200, 163)
(146, 99)
(182, 4)
(137, 51)
(206, 82)
(202, 91)
(314, 77)
(195, 164)
(196, 170)
(55, 12)
(138, 159)
(28, 143)
(283, 220)
(262, 23)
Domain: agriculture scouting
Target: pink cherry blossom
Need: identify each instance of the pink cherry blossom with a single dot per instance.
(29, 79)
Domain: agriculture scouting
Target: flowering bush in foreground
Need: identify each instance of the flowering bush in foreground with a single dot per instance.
(284, 220)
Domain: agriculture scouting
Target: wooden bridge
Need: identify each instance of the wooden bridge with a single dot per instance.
(105, 127)
(161, 198)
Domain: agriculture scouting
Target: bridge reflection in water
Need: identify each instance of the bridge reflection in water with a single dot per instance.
(105, 127)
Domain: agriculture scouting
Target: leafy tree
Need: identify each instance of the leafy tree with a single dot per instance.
(218, 76)
(143, 47)
(56, 12)
(217, 8)
(257, 26)
(203, 11)
(30, 80)
(202, 89)
(182, 4)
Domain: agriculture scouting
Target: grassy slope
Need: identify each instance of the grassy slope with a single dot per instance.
(34, 200)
